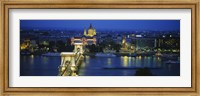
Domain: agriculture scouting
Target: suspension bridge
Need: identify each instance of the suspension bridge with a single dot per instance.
(70, 61)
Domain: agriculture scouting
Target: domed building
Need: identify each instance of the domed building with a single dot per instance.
(91, 31)
(88, 38)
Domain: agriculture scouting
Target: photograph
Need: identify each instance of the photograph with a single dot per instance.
(100, 47)
(111, 47)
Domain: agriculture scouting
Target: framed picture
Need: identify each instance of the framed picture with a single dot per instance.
(100, 47)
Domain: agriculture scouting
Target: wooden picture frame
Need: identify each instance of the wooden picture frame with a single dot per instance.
(6, 5)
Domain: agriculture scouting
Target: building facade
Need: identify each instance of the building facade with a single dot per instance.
(91, 31)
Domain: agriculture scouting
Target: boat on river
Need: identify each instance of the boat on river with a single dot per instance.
(51, 54)
(105, 55)
(171, 62)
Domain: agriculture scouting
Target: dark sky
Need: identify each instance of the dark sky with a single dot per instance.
(164, 25)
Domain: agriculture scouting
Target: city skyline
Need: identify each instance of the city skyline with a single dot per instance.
(132, 25)
(91, 51)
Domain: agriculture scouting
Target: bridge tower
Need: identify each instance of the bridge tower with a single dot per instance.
(79, 47)
(68, 64)
(71, 60)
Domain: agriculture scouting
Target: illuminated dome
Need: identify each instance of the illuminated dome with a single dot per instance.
(91, 31)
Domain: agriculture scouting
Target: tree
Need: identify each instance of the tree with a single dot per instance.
(60, 45)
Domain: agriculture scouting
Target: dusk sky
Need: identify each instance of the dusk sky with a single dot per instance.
(164, 25)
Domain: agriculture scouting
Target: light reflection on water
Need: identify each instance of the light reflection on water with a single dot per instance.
(126, 66)
(98, 66)
(125, 61)
(109, 62)
(39, 65)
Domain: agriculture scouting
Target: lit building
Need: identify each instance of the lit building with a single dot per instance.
(91, 31)
(25, 44)
(145, 43)
(124, 44)
(126, 47)
(88, 38)
(84, 40)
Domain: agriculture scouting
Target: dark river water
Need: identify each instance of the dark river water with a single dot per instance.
(99, 66)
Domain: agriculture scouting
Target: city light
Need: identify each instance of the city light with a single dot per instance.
(117, 49)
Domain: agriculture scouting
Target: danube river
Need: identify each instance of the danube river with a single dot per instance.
(100, 66)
